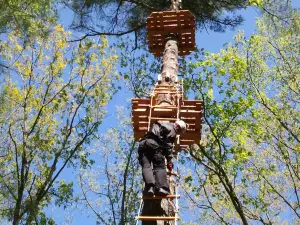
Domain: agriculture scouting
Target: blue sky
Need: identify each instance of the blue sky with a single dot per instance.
(210, 41)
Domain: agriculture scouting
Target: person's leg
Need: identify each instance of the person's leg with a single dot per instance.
(145, 160)
(161, 182)
(147, 172)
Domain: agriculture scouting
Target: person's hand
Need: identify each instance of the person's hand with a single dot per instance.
(170, 166)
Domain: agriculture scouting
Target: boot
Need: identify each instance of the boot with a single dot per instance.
(149, 191)
(162, 192)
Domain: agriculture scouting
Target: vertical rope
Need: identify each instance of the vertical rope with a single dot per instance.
(150, 108)
(176, 192)
(178, 101)
(179, 95)
(139, 211)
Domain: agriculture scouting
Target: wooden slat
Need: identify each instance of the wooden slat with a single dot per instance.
(140, 100)
(190, 112)
(191, 136)
(187, 142)
(140, 111)
(192, 102)
(163, 119)
(160, 24)
(170, 114)
(157, 34)
(140, 106)
(140, 123)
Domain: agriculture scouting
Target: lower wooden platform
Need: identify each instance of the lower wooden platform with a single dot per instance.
(190, 111)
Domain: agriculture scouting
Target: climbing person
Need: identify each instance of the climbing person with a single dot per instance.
(154, 147)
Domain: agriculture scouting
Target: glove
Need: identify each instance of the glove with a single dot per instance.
(170, 166)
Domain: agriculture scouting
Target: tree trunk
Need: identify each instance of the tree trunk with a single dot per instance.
(165, 207)
(169, 69)
(175, 5)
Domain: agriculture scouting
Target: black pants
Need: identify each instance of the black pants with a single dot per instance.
(150, 153)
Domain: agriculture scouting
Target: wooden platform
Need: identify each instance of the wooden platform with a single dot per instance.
(190, 112)
(161, 24)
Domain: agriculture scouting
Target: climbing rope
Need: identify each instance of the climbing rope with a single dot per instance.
(150, 113)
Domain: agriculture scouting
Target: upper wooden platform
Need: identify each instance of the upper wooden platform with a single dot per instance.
(161, 24)
(190, 111)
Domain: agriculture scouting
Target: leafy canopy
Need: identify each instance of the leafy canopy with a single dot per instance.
(246, 169)
(55, 93)
(121, 17)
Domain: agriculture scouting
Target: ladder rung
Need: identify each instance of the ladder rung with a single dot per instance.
(161, 85)
(169, 92)
(161, 118)
(165, 106)
(156, 218)
(161, 197)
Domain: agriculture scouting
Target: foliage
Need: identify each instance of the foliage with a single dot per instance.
(26, 16)
(122, 17)
(246, 169)
(115, 180)
(55, 94)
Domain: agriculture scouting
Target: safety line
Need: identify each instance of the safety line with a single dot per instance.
(141, 203)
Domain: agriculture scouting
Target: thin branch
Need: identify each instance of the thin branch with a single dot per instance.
(97, 33)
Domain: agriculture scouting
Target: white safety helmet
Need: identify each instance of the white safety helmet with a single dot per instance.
(180, 126)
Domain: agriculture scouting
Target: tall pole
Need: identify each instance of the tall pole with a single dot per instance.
(169, 72)
(170, 33)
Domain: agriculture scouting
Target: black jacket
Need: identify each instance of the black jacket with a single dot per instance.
(163, 133)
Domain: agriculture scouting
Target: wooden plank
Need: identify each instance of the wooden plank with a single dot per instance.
(140, 106)
(140, 101)
(193, 107)
(190, 136)
(138, 124)
(140, 118)
(164, 85)
(157, 107)
(143, 128)
(167, 30)
(164, 112)
(163, 118)
(188, 142)
(185, 112)
(165, 88)
(189, 102)
(140, 111)
(167, 92)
